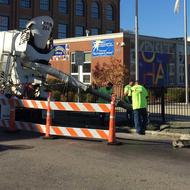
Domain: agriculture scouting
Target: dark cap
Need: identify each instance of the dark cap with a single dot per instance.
(131, 80)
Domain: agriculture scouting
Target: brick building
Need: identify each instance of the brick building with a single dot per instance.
(161, 60)
(71, 17)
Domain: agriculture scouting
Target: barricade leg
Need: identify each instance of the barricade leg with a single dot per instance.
(112, 137)
(48, 119)
(12, 127)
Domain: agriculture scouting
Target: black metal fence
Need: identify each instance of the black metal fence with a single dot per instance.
(164, 104)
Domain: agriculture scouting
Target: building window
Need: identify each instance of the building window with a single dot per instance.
(62, 31)
(82, 72)
(94, 31)
(22, 23)
(79, 8)
(5, 2)
(95, 10)
(79, 31)
(63, 6)
(25, 3)
(4, 23)
(109, 31)
(44, 5)
(109, 12)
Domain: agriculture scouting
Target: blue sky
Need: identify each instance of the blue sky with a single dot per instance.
(156, 17)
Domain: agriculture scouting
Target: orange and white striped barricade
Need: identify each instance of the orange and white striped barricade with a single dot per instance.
(68, 131)
(12, 128)
(112, 130)
(5, 111)
(34, 104)
(80, 132)
(8, 120)
(48, 118)
(12, 115)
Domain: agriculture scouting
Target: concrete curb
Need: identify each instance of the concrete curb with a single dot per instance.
(168, 134)
(156, 133)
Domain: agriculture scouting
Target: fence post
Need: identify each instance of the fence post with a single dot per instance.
(48, 118)
(12, 115)
(112, 131)
(163, 104)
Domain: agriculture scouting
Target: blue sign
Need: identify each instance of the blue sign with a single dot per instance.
(102, 48)
(61, 50)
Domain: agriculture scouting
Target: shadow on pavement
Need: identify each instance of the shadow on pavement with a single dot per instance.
(143, 141)
(20, 135)
(14, 147)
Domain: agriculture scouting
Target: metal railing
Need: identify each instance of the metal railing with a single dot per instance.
(165, 104)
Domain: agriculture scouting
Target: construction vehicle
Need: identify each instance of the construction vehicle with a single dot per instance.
(24, 60)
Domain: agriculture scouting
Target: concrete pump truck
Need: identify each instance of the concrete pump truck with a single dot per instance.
(24, 59)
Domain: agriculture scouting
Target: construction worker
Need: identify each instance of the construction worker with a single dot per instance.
(128, 99)
(28, 91)
(139, 105)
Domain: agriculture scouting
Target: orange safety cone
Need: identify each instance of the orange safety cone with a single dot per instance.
(112, 131)
(48, 118)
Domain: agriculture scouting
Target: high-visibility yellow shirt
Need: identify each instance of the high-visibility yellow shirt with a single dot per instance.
(127, 90)
(139, 97)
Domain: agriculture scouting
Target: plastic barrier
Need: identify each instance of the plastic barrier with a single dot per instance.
(10, 117)
(48, 129)
(48, 117)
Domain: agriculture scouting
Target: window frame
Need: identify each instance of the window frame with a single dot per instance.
(109, 12)
(109, 31)
(4, 27)
(66, 31)
(23, 19)
(80, 74)
(63, 6)
(79, 8)
(95, 10)
(77, 26)
(43, 4)
(5, 3)
(94, 30)
(25, 4)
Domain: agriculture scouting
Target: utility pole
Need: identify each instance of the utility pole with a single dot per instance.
(186, 61)
(136, 43)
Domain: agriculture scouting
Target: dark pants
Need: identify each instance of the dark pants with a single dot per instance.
(129, 117)
(129, 112)
(140, 120)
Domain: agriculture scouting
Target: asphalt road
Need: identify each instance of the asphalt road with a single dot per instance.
(30, 162)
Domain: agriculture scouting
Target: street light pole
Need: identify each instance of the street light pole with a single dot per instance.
(136, 43)
(186, 61)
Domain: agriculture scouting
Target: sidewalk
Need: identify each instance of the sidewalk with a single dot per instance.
(172, 132)
(176, 132)
(173, 129)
